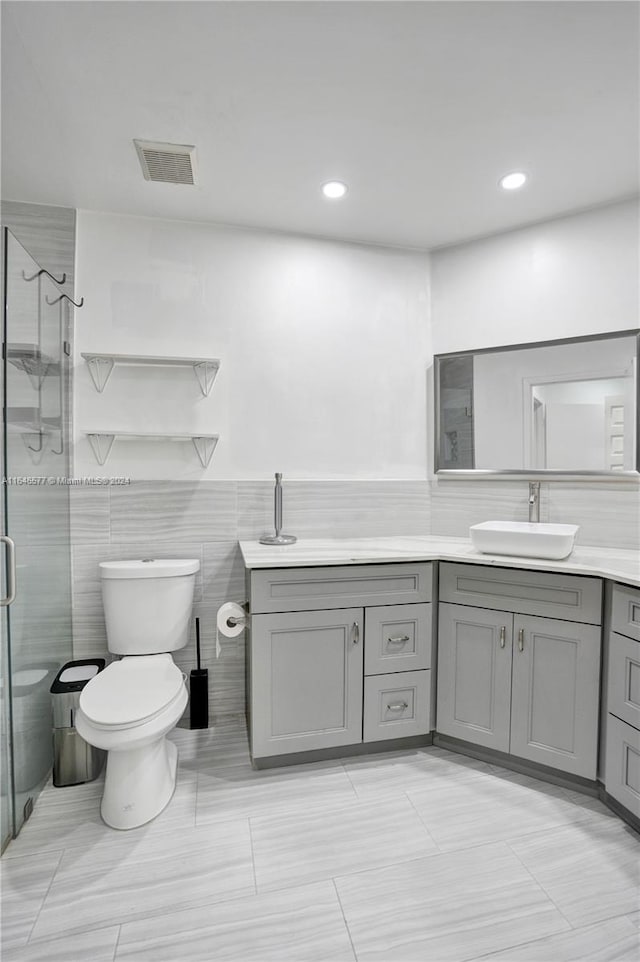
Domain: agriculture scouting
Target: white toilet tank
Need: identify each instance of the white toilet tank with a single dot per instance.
(147, 604)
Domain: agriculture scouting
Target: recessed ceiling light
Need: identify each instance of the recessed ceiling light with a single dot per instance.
(334, 189)
(513, 181)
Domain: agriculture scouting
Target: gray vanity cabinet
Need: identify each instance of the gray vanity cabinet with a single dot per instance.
(526, 684)
(310, 628)
(622, 751)
(306, 680)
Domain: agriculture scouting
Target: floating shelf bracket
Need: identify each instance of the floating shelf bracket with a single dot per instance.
(101, 445)
(30, 359)
(205, 446)
(100, 369)
(102, 442)
(101, 366)
(205, 372)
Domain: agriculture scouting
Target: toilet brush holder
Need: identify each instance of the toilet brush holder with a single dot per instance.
(199, 690)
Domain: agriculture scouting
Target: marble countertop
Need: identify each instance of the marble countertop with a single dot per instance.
(617, 564)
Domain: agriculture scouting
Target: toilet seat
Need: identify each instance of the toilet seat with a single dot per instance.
(131, 692)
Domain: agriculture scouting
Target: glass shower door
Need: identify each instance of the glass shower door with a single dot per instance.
(36, 626)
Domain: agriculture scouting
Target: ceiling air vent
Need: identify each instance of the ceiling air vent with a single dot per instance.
(167, 163)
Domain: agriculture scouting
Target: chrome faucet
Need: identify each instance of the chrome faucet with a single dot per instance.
(534, 501)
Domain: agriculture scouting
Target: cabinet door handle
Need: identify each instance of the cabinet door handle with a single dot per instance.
(398, 640)
(398, 706)
(503, 633)
(520, 639)
(355, 633)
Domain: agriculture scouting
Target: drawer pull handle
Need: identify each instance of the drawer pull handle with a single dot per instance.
(520, 639)
(398, 640)
(503, 632)
(355, 633)
(398, 706)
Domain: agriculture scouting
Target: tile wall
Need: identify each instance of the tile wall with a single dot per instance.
(206, 520)
(608, 513)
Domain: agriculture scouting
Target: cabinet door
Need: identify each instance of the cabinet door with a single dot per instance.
(306, 680)
(555, 693)
(474, 675)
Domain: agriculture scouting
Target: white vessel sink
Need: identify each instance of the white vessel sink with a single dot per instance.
(524, 539)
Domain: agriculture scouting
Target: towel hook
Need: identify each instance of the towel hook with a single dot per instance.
(43, 270)
(55, 301)
(37, 450)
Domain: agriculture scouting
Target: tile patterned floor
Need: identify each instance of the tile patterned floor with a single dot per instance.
(417, 856)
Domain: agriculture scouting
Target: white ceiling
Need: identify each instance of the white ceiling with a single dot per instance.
(418, 106)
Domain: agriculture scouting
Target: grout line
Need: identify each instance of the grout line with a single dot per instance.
(53, 875)
(540, 886)
(422, 821)
(353, 948)
(253, 859)
(300, 883)
(355, 790)
(115, 948)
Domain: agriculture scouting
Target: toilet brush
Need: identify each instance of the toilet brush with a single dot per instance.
(199, 690)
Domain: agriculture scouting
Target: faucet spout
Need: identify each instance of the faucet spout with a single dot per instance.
(534, 501)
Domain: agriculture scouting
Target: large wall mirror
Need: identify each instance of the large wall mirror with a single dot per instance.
(567, 407)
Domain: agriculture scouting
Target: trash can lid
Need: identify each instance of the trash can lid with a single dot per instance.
(78, 672)
(75, 674)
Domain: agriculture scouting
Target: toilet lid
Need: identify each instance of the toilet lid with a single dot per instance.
(132, 690)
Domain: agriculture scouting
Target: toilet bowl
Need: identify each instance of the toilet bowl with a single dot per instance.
(127, 712)
(129, 708)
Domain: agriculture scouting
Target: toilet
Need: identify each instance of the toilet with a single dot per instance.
(129, 708)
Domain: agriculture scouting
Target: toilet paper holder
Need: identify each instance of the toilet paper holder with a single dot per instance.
(233, 621)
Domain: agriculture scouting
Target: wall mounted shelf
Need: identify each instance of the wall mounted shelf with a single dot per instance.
(30, 359)
(101, 366)
(102, 442)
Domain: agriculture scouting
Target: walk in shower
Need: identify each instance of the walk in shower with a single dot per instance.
(35, 624)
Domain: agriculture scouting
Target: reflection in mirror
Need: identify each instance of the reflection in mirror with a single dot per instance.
(564, 406)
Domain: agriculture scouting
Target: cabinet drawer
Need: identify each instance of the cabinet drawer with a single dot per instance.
(623, 690)
(397, 638)
(396, 706)
(622, 764)
(625, 611)
(568, 597)
(307, 589)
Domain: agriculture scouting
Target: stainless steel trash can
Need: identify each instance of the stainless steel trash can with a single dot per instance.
(74, 760)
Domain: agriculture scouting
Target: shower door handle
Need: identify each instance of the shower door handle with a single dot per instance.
(11, 570)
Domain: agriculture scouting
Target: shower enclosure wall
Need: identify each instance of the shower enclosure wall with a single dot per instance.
(36, 626)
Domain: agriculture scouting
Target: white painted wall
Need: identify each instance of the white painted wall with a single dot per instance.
(562, 278)
(324, 349)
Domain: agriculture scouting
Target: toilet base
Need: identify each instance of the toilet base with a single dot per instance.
(139, 784)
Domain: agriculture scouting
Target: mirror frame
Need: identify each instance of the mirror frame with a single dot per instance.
(547, 473)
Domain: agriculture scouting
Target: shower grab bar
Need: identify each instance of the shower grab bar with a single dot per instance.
(11, 570)
(43, 270)
(56, 299)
